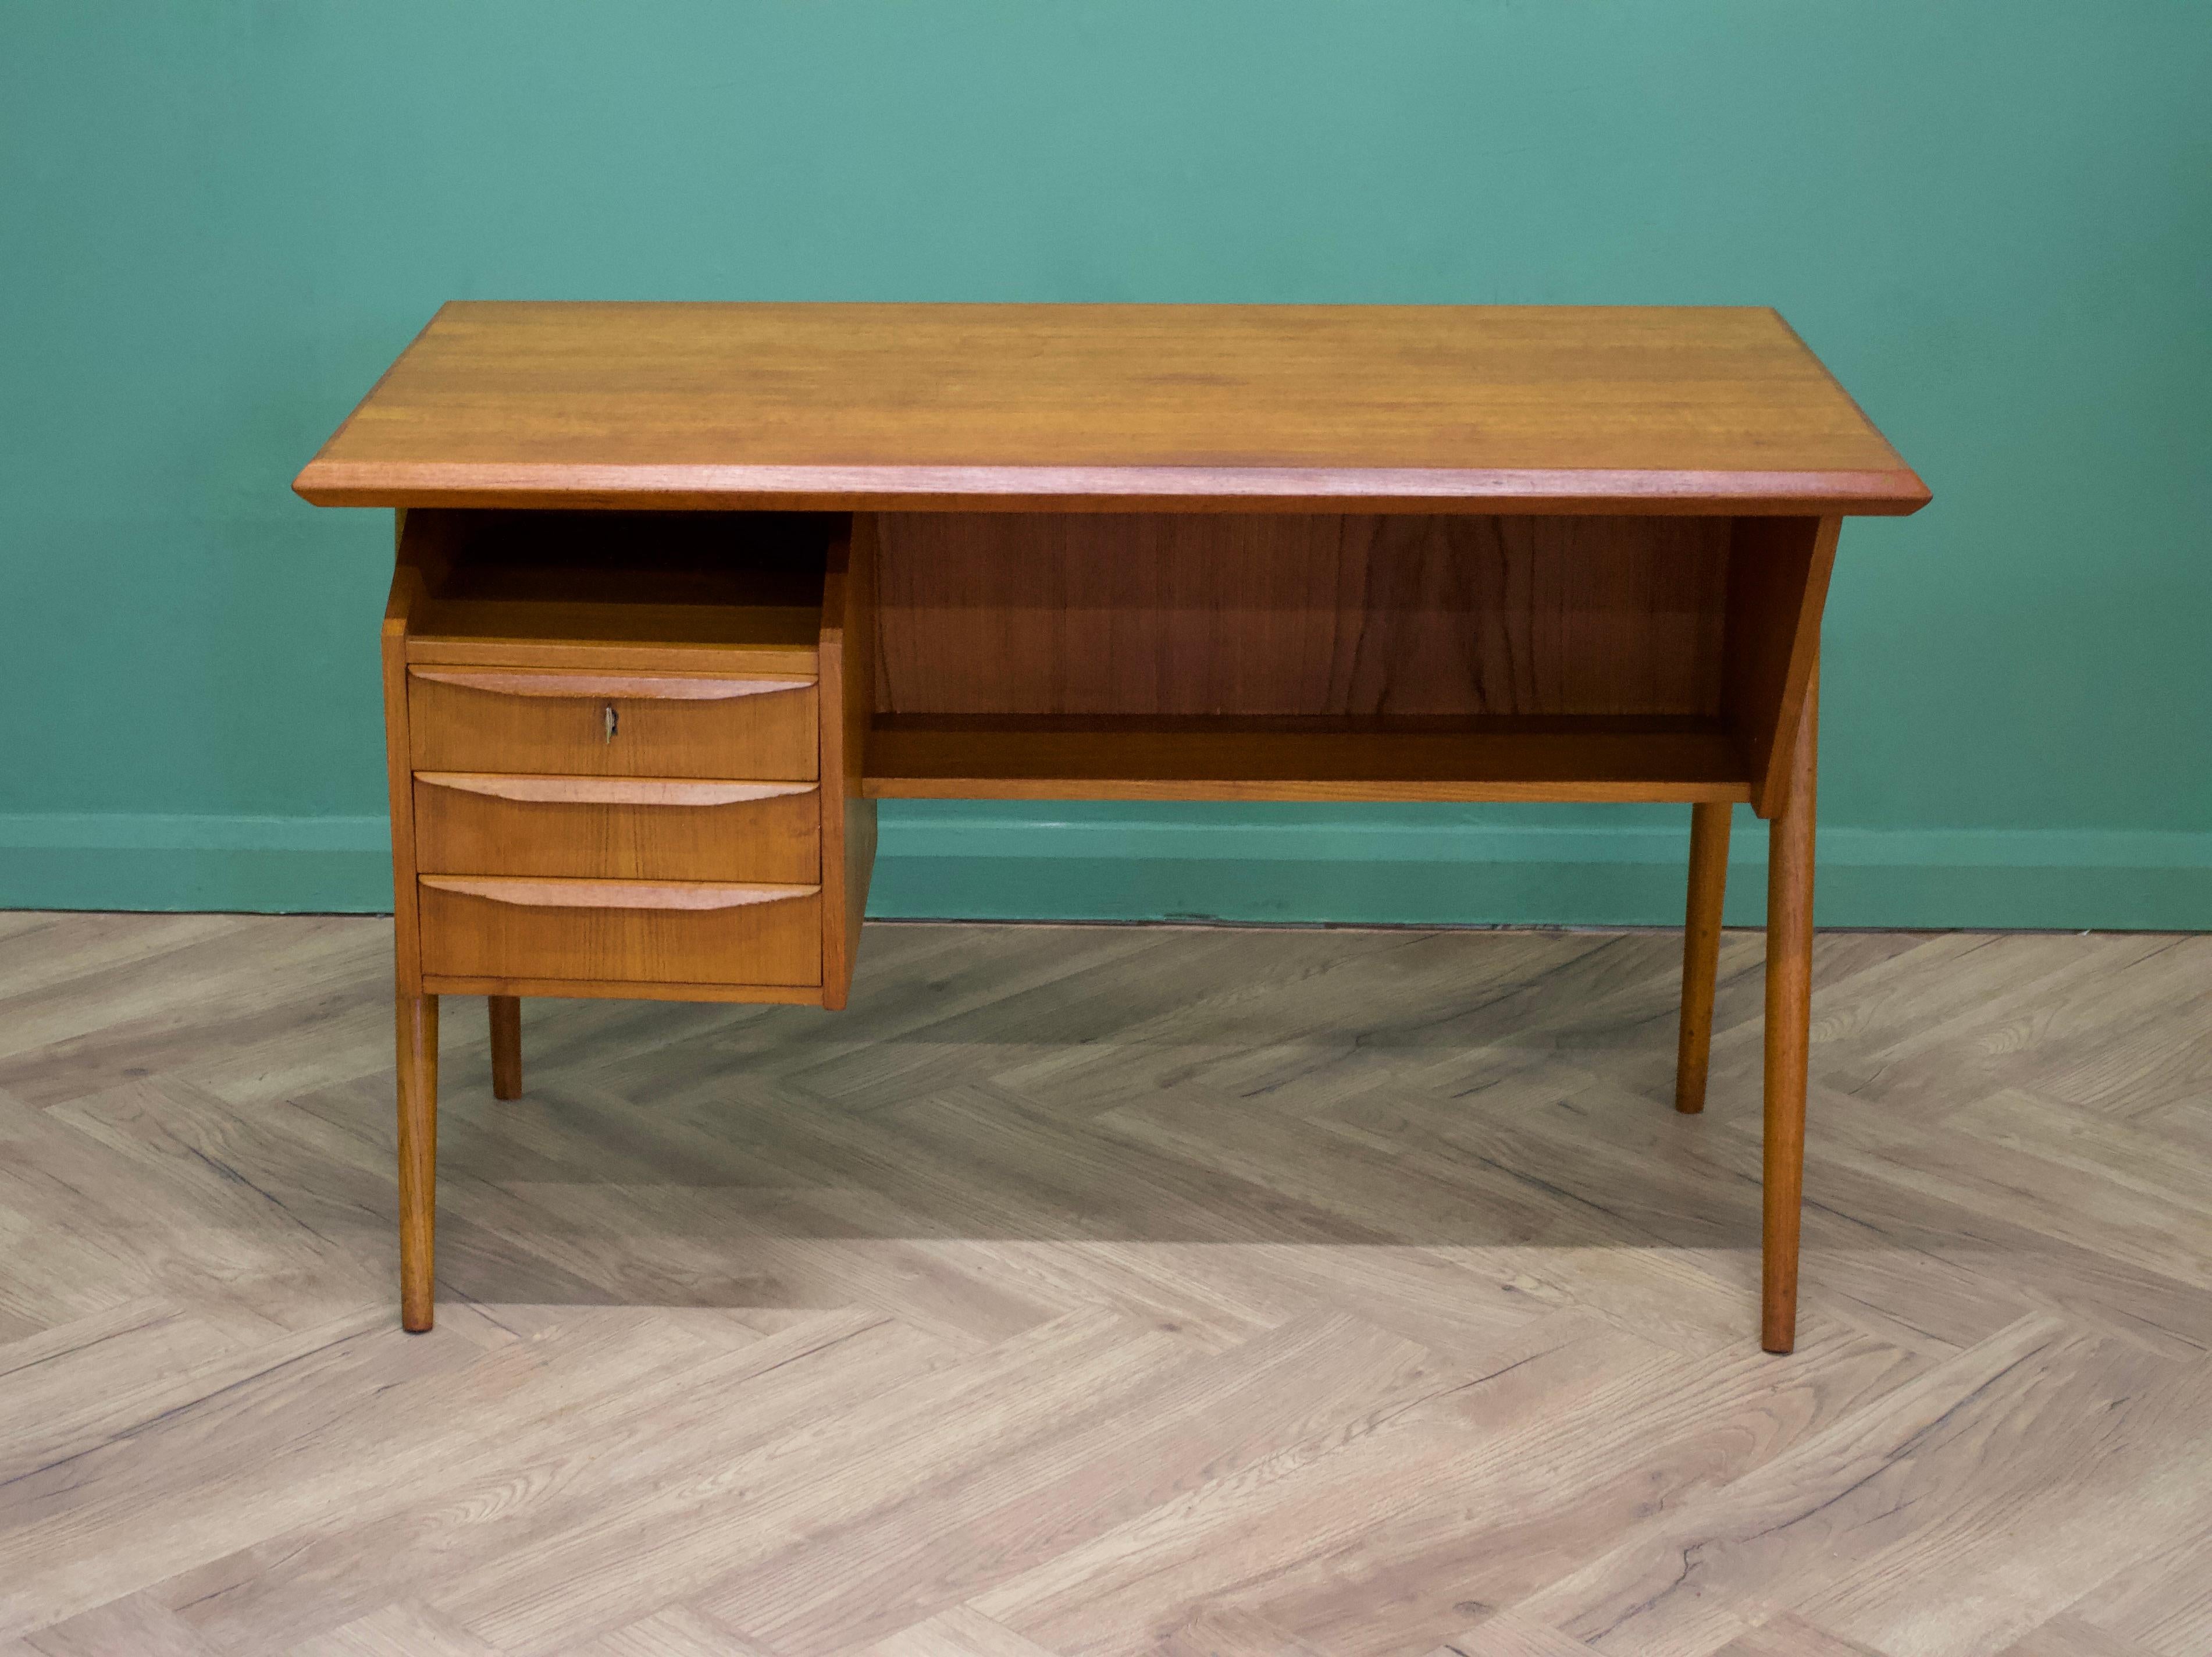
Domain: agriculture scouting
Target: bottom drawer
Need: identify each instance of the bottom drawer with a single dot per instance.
(620, 931)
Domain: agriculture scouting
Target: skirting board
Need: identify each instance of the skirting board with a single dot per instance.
(1296, 865)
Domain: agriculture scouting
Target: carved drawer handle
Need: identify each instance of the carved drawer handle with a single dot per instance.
(617, 894)
(645, 687)
(609, 790)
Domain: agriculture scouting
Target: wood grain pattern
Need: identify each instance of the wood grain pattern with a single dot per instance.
(610, 790)
(522, 985)
(407, 595)
(701, 634)
(504, 1014)
(848, 653)
(609, 686)
(622, 591)
(615, 894)
(617, 828)
(624, 931)
(417, 1146)
(1068, 408)
(1199, 614)
(1701, 943)
(1108, 1291)
(561, 724)
(1789, 1014)
(1507, 759)
(571, 650)
(1778, 573)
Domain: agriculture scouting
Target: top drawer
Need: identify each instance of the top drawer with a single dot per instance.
(612, 724)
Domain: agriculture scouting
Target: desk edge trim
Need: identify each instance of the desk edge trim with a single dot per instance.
(1033, 489)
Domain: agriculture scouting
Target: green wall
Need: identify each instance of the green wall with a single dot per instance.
(219, 221)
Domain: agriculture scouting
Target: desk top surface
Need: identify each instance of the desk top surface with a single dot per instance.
(1111, 407)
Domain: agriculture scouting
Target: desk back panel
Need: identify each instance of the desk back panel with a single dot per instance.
(1165, 615)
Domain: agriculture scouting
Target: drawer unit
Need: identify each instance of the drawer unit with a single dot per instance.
(613, 724)
(640, 932)
(625, 755)
(617, 828)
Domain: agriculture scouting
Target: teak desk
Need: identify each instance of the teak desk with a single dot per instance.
(683, 590)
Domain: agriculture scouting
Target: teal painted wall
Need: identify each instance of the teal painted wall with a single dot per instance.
(221, 220)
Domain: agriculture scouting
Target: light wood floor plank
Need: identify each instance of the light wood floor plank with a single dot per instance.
(1504, 1634)
(1785, 1634)
(677, 1631)
(675, 1536)
(2161, 1601)
(958, 1632)
(938, 1546)
(347, 1561)
(136, 1624)
(2068, 1637)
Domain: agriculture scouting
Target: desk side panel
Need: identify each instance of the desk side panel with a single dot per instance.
(420, 556)
(1777, 588)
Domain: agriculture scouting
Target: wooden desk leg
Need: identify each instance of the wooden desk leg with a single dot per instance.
(1701, 951)
(418, 1156)
(1789, 1020)
(506, 1046)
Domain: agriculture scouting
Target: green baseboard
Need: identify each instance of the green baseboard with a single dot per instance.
(1382, 866)
(163, 861)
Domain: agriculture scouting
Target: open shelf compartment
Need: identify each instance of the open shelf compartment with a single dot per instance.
(1167, 656)
(734, 590)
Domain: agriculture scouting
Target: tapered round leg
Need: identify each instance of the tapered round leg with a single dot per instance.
(1701, 951)
(1789, 1025)
(418, 1157)
(506, 1046)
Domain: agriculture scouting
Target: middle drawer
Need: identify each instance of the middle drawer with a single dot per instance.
(616, 828)
(609, 724)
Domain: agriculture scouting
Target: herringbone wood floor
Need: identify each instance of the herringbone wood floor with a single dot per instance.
(1108, 1291)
